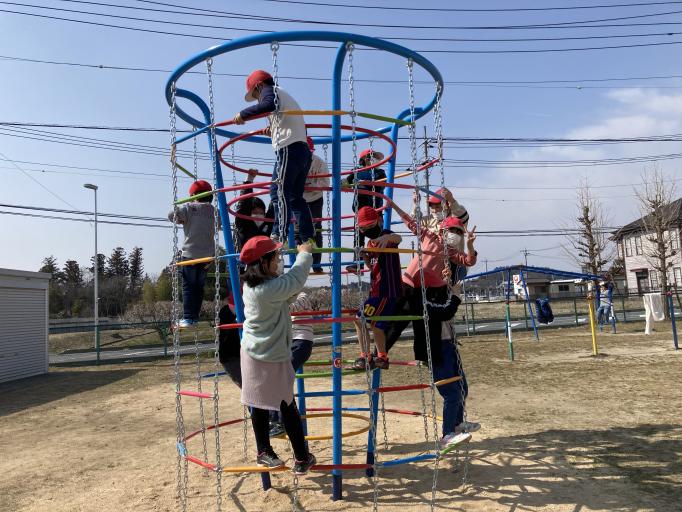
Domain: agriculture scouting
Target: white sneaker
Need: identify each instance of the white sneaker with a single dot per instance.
(468, 426)
(454, 438)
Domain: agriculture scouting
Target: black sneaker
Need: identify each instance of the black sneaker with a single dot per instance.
(276, 429)
(381, 362)
(361, 363)
(353, 269)
(269, 459)
(302, 467)
(318, 270)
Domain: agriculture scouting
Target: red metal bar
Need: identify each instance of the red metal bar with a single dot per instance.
(200, 462)
(388, 389)
(195, 394)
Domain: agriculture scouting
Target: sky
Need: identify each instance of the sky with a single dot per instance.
(591, 94)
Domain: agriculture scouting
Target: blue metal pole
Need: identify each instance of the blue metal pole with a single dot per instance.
(671, 307)
(530, 309)
(390, 175)
(336, 356)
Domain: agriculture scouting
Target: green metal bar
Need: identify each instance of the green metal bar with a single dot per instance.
(525, 314)
(575, 311)
(195, 196)
(317, 375)
(185, 171)
(164, 332)
(391, 120)
(97, 344)
(622, 301)
(473, 320)
(509, 333)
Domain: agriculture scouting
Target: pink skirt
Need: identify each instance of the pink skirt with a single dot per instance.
(266, 385)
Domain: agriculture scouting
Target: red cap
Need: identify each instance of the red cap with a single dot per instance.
(434, 199)
(311, 144)
(368, 152)
(367, 216)
(256, 77)
(199, 186)
(257, 247)
(452, 222)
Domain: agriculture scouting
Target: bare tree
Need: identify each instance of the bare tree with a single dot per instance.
(588, 240)
(655, 196)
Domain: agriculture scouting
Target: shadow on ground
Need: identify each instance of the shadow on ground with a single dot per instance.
(34, 391)
(624, 469)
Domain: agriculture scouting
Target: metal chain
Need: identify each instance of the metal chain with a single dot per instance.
(181, 468)
(244, 433)
(413, 150)
(425, 416)
(327, 202)
(197, 359)
(383, 419)
(295, 503)
(279, 164)
(216, 297)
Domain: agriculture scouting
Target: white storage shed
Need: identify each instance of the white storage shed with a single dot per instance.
(23, 323)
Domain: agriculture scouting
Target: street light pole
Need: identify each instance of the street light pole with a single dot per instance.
(96, 272)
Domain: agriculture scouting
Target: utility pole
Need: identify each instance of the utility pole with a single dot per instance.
(525, 255)
(95, 272)
(428, 171)
(486, 264)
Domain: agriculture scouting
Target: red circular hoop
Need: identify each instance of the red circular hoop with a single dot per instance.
(343, 126)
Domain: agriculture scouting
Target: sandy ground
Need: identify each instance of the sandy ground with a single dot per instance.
(562, 431)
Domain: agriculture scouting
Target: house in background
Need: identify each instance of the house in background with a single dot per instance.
(633, 247)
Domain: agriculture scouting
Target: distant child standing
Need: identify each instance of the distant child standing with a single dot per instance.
(385, 288)
(197, 222)
(288, 134)
(267, 373)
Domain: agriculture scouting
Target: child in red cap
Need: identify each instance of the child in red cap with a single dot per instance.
(385, 288)
(266, 370)
(288, 134)
(196, 218)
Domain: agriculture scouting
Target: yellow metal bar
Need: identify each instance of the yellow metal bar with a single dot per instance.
(207, 259)
(590, 305)
(326, 437)
(447, 381)
(315, 112)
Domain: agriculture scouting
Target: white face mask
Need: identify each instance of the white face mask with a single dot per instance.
(454, 240)
(280, 267)
(374, 160)
(258, 223)
(440, 215)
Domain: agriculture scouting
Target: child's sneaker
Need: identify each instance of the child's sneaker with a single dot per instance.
(381, 362)
(468, 426)
(276, 429)
(302, 467)
(318, 270)
(269, 459)
(185, 323)
(360, 364)
(454, 438)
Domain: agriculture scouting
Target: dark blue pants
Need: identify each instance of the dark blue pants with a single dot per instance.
(193, 280)
(316, 213)
(454, 393)
(300, 353)
(294, 163)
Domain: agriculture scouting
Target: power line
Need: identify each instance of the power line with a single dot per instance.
(48, 190)
(23, 214)
(80, 212)
(448, 9)
(436, 51)
(470, 83)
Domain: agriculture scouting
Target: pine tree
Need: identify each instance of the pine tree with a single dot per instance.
(136, 269)
(56, 302)
(117, 264)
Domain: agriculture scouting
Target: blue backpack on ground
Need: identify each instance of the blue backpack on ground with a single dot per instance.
(543, 311)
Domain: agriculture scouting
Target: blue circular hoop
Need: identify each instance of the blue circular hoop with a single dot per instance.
(283, 37)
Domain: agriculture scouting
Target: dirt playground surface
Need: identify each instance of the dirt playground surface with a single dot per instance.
(562, 431)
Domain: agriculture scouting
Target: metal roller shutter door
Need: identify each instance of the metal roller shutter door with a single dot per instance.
(23, 336)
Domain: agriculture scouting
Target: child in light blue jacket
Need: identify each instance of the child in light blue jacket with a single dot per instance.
(267, 373)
